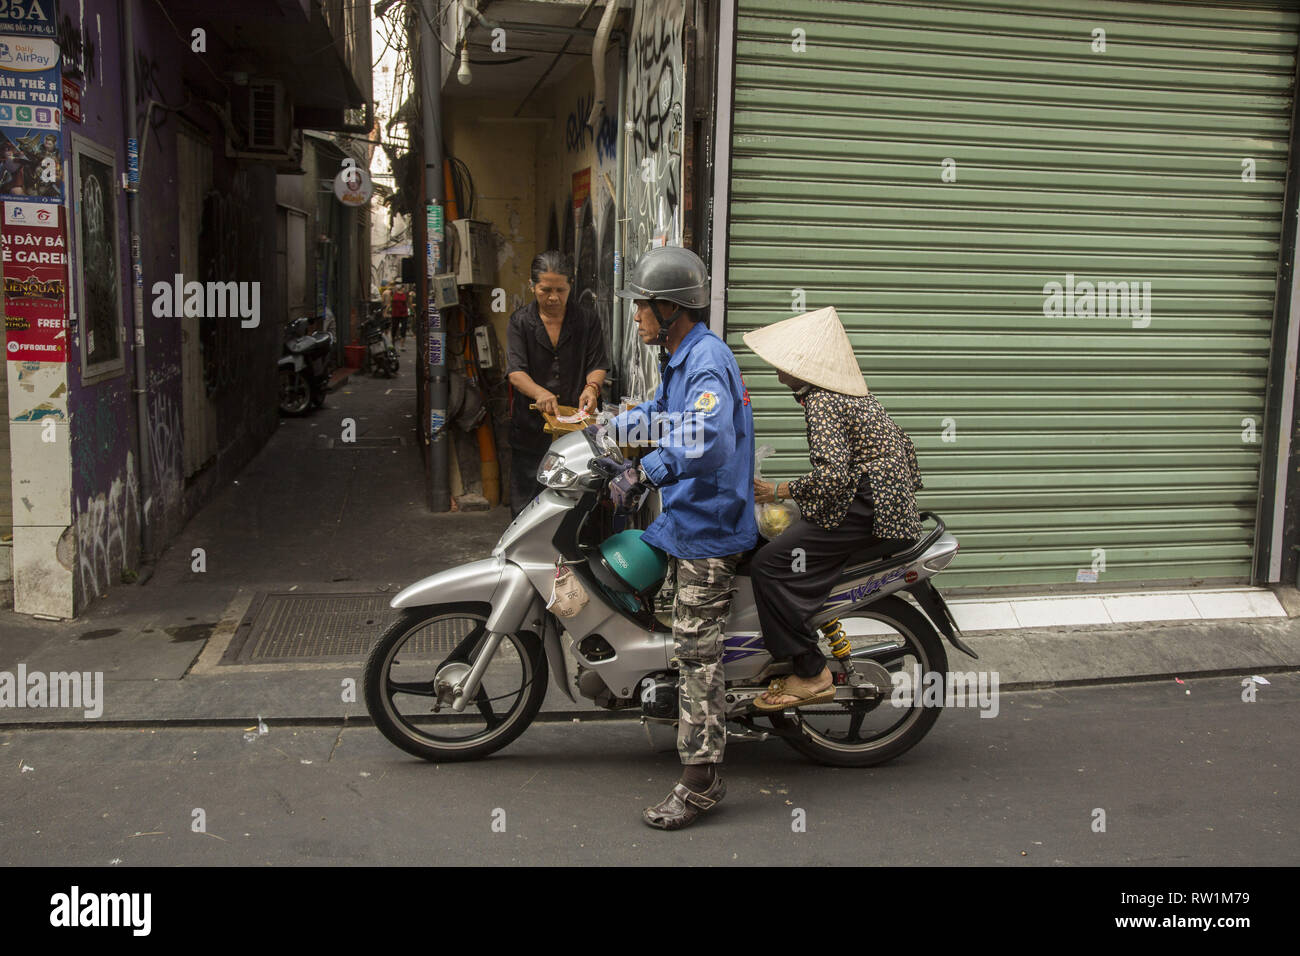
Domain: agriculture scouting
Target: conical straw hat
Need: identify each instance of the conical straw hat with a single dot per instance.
(813, 347)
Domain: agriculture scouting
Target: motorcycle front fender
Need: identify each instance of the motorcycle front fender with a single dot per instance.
(476, 581)
(492, 581)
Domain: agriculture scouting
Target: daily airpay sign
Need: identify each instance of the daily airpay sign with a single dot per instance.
(33, 253)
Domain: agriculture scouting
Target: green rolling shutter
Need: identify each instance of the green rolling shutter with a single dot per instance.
(1068, 432)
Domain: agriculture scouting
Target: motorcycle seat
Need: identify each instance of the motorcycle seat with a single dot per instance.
(862, 557)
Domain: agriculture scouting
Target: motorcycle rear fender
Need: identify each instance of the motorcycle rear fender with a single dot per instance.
(492, 581)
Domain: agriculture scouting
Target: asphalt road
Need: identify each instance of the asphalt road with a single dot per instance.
(1186, 774)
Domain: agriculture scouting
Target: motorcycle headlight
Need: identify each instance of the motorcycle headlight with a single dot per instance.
(552, 473)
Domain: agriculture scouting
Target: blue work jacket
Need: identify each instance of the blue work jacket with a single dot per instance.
(704, 462)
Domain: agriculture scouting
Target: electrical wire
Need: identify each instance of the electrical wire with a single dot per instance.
(186, 43)
(567, 41)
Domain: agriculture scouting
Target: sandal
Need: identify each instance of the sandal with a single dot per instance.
(681, 807)
(777, 689)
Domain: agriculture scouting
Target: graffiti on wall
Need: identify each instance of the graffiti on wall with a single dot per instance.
(577, 134)
(76, 49)
(106, 529)
(148, 78)
(165, 457)
(654, 158)
(594, 261)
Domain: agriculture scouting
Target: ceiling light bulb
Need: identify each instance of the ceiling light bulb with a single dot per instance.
(463, 74)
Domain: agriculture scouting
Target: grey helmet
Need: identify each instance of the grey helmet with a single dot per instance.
(668, 274)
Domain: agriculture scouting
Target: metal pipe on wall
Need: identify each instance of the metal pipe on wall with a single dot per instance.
(722, 166)
(143, 458)
(431, 115)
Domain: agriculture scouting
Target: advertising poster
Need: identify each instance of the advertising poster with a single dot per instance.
(31, 100)
(34, 262)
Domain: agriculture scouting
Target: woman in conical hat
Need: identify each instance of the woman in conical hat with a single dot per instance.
(859, 496)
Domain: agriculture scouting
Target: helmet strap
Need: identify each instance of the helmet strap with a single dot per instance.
(662, 337)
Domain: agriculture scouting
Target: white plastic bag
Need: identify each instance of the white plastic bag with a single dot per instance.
(568, 596)
(772, 518)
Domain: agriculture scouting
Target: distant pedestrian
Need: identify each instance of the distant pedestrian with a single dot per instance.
(401, 312)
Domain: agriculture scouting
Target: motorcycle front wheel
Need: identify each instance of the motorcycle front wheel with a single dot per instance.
(423, 654)
(864, 733)
(295, 393)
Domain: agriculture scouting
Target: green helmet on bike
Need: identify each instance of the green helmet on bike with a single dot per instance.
(635, 563)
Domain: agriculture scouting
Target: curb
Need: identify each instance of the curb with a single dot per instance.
(569, 716)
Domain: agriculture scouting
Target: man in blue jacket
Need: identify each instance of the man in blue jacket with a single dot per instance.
(704, 470)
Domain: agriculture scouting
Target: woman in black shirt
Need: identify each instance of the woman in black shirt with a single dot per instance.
(556, 355)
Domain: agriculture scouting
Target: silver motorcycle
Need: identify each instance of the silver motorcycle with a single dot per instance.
(463, 671)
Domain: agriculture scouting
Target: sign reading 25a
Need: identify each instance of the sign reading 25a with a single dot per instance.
(27, 16)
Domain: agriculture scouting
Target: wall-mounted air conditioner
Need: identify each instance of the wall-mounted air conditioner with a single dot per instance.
(262, 115)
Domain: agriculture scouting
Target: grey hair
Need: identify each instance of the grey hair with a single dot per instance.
(552, 260)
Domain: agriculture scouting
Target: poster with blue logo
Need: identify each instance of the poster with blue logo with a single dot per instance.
(31, 95)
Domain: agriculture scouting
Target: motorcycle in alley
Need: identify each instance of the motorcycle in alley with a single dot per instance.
(381, 357)
(305, 366)
(463, 671)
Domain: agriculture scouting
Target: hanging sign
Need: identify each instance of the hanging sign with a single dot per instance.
(352, 186)
(29, 18)
(71, 100)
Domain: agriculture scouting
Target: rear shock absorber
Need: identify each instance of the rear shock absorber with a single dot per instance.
(833, 633)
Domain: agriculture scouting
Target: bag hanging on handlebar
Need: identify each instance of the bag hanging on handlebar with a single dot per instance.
(568, 596)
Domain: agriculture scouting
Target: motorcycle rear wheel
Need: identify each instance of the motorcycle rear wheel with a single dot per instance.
(429, 645)
(832, 733)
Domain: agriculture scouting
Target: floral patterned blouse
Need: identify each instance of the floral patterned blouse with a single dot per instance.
(850, 436)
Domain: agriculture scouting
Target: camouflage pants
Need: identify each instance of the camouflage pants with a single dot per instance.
(702, 599)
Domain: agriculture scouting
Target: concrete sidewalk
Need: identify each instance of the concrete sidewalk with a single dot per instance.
(316, 515)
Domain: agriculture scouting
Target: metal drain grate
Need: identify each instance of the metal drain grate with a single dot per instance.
(313, 627)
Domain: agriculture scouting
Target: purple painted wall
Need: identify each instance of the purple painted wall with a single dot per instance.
(236, 243)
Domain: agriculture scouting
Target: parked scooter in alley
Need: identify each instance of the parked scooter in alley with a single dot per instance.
(381, 357)
(305, 367)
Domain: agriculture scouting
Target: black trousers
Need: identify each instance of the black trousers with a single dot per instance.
(524, 460)
(789, 589)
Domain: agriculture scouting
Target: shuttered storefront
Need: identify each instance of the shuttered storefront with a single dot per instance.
(931, 169)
